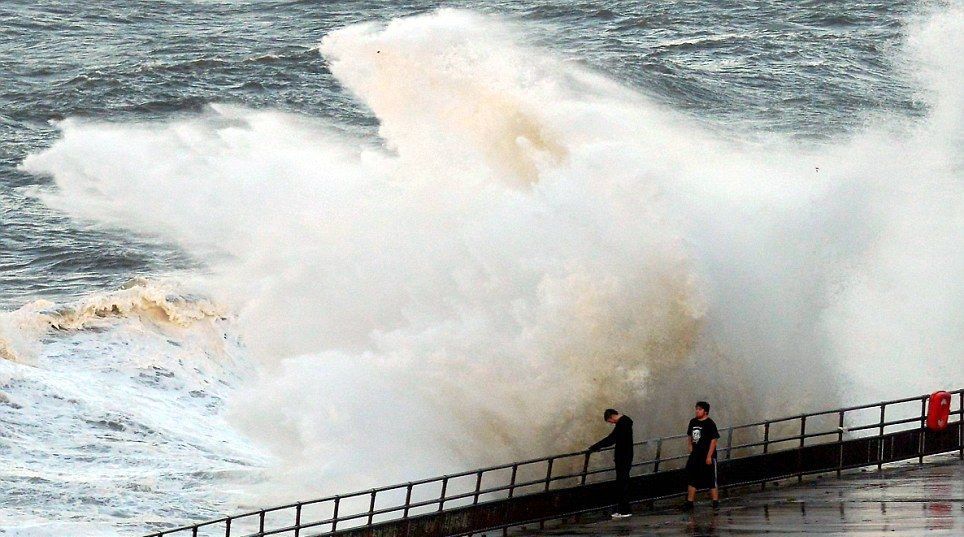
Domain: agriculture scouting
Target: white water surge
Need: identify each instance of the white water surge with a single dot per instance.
(529, 243)
(113, 410)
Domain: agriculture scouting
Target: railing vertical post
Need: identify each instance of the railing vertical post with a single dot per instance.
(478, 488)
(840, 429)
(408, 500)
(960, 424)
(542, 523)
(880, 437)
(729, 443)
(923, 429)
(193, 532)
(298, 520)
(371, 508)
(505, 512)
(227, 528)
(261, 523)
(515, 472)
(441, 498)
(585, 469)
(803, 438)
(766, 448)
(582, 480)
(659, 453)
(334, 514)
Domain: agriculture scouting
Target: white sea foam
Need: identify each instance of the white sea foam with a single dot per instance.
(113, 414)
(529, 243)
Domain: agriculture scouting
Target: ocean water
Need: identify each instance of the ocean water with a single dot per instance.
(260, 250)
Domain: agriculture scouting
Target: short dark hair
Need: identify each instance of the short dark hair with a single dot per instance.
(704, 405)
(610, 412)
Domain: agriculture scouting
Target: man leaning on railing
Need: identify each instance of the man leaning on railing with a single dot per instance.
(622, 438)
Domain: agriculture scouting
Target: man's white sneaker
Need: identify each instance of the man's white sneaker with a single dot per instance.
(621, 515)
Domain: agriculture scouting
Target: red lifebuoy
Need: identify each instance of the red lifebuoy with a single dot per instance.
(938, 411)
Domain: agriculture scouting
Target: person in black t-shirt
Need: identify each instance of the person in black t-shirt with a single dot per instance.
(701, 436)
(622, 438)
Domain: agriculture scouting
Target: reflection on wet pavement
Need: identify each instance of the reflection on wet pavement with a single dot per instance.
(902, 500)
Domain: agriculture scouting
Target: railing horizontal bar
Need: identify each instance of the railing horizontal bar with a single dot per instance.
(828, 433)
(599, 471)
(877, 405)
(287, 529)
(886, 424)
(501, 488)
(202, 524)
(844, 409)
(454, 497)
(903, 421)
(463, 495)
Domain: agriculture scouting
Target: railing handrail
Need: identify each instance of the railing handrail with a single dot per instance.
(550, 478)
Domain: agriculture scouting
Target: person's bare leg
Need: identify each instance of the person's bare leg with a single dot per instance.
(690, 496)
(715, 495)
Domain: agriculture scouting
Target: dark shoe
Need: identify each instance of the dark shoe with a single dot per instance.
(687, 507)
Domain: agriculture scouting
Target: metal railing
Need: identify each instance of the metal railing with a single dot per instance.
(335, 514)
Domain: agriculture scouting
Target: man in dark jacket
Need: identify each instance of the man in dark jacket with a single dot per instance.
(622, 438)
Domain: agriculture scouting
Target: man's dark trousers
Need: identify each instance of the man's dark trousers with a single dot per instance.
(622, 486)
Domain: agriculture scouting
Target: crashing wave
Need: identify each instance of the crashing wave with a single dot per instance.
(159, 304)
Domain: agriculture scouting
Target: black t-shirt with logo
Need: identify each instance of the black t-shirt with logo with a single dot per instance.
(702, 433)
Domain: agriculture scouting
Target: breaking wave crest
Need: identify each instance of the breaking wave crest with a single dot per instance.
(154, 302)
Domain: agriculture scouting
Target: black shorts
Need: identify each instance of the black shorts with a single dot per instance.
(701, 475)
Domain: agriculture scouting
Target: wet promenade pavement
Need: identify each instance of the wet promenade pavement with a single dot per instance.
(901, 500)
